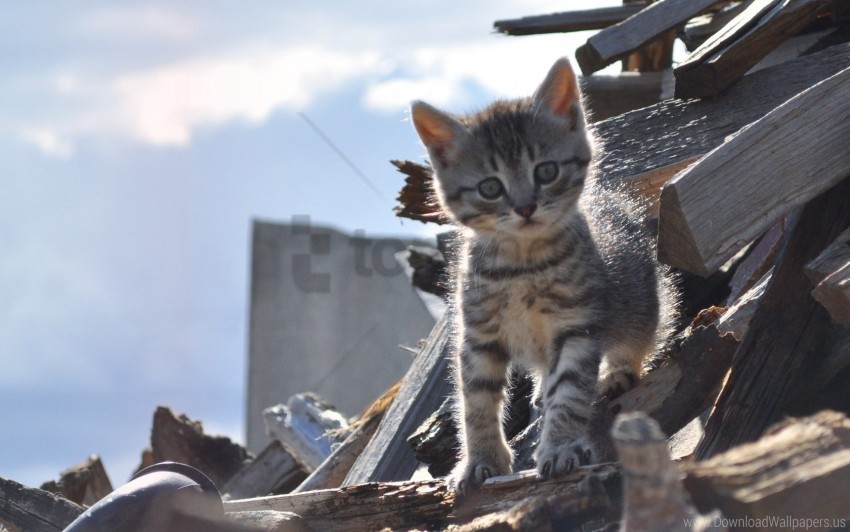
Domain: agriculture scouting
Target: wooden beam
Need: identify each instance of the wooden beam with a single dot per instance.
(788, 328)
(307, 427)
(734, 194)
(429, 504)
(834, 294)
(619, 40)
(731, 52)
(387, 456)
(272, 469)
(834, 257)
(25, 508)
(799, 470)
(589, 19)
(331, 473)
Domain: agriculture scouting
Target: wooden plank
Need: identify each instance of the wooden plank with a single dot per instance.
(834, 257)
(657, 140)
(734, 194)
(589, 19)
(332, 472)
(834, 294)
(699, 29)
(387, 456)
(800, 470)
(731, 52)
(788, 328)
(274, 468)
(430, 505)
(34, 510)
(607, 96)
(619, 40)
(307, 427)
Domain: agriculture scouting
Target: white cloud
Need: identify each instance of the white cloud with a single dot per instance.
(163, 106)
(48, 141)
(502, 67)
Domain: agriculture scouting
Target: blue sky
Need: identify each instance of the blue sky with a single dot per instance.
(138, 141)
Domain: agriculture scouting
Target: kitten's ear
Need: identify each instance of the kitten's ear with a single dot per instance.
(439, 131)
(559, 93)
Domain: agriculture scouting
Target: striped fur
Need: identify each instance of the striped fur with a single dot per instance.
(556, 273)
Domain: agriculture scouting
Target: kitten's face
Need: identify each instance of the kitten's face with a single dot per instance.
(516, 168)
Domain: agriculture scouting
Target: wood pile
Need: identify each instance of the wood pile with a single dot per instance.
(742, 156)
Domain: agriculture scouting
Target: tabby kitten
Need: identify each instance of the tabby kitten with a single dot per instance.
(556, 272)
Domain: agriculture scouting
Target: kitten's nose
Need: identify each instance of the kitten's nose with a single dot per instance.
(526, 210)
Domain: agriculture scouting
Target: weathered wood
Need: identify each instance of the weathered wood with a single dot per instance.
(731, 52)
(806, 137)
(428, 504)
(272, 470)
(331, 473)
(653, 495)
(700, 28)
(307, 427)
(269, 521)
(832, 258)
(619, 40)
(33, 510)
(760, 258)
(84, 483)
(607, 96)
(180, 439)
(834, 294)
(649, 144)
(788, 327)
(799, 469)
(590, 19)
(736, 320)
(654, 56)
(425, 386)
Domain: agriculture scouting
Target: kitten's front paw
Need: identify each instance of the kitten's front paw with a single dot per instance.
(616, 382)
(469, 475)
(555, 461)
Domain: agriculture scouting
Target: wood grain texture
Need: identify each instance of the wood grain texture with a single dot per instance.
(429, 505)
(34, 510)
(800, 468)
(732, 51)
(674, 131)
(270, 470)
(834, 257)
(619, 40)
(387, 456)
(788, 328)
(834, 294)
(307, 427)
(713, 209)
(582, 20)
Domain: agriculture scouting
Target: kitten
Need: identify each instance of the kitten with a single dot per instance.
(556, 273)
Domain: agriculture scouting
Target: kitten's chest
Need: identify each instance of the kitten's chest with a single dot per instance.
(526, 324)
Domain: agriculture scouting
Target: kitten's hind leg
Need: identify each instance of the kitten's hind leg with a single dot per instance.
(620, 370)
(568, 392)
(483, 368)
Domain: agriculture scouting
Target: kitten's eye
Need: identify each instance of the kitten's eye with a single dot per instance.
(545, 173)
(490, 188)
